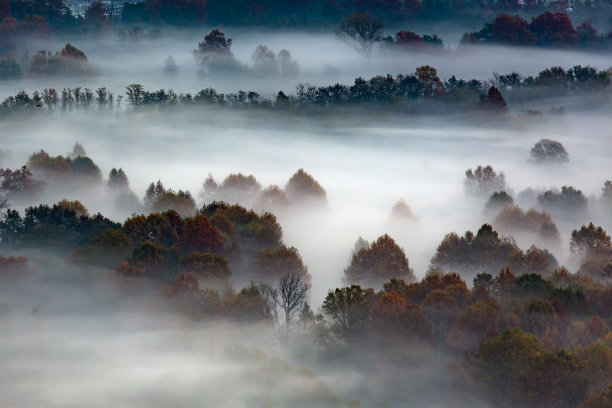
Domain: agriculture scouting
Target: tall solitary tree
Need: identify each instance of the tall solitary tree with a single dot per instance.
(361, 31)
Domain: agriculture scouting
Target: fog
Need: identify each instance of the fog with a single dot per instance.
(68, 339)
(365, 170)
(323, 59)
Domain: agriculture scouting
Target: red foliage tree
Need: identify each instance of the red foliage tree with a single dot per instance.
(511, 30)
(554, 29)
(200, 235)
(406, 38)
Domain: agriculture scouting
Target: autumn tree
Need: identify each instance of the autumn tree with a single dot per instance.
(539, 225)
(493, 102)
(588, 239)
(180, 201)
(150, 258)
(272, 198)
(503, 361)
(238, 188)
(430, 83)
(349, 310)
(361, 32)
(505, 29)
(407, 39)
(592, 245)
(200, 235)
(187, 295)
(205, 265)
(248, 305)
(394, 317)
(383, 260)
(273, 264)
(214, 52)
(302, 187)
(554, 29)
(154, 227)
(401, 210)
(484, 181)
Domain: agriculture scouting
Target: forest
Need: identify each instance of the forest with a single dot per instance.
(328, 203)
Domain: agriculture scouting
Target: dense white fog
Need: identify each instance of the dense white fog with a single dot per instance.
(323, 59)
(365, 170)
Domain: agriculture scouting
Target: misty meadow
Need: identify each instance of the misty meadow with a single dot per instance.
(325, 203)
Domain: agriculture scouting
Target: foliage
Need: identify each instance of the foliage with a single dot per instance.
(548, 151)
(382, 260)
(484, 181)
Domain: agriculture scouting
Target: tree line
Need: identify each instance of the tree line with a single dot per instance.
(402, 91)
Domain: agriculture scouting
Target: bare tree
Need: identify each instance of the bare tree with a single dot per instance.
(287, 301)
(361, 32)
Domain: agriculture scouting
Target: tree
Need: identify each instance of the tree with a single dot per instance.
(117, 180)
(264, 61)
(401, 210)
(287, 65)
(513, 220)
(503, 361)
(407, 39)
(288, 300)
(154, 227)
(214, 51)
(200, 235)
(272, 263)
(303, 187)
(150, 258)
(383, 260)
(497, 202)
(563, 375)
(272, 198)
(74, 206)
(484, 181)
(429, 81)
(170, 67)
(209, 190)
(238, 187)
(494, 102)
(361, 32)
(180, 201)
(548, 151)
(554, 29)
(505, 29)
(393, 318)
(19, 183)
(349, 309)
(206, 265)
(568, 201)
(589, 239)
(154, 191)
(96, 16)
